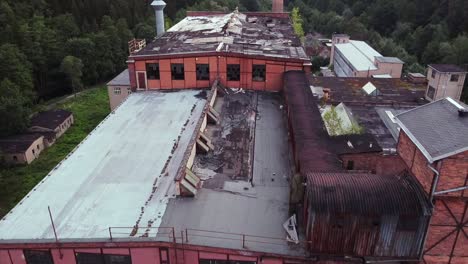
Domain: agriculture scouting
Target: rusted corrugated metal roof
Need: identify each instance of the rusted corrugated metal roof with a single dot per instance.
(365, 194)
(313, 151)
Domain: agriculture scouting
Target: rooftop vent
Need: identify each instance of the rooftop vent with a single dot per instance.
(158, 6)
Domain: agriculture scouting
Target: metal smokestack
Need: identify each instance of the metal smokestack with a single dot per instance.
(277, 6)
(158, 6)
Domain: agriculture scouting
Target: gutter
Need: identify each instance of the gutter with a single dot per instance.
(434, 183)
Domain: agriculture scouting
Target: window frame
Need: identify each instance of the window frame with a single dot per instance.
(202, 74)
(156, 70)
(233, 69)
(177, 71)
(102, 257)
(129, 90)
(257, 71)
(433, 92)
(453, 75)
(433, 74)
(27, 255)
(117, 91)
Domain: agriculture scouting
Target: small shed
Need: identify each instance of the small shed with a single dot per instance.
(21, 149)
(56, 121)
(365, 215)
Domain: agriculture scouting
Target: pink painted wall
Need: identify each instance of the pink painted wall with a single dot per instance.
(142, 255)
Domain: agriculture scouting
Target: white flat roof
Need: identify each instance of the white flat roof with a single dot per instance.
(359, 54)
(115, 177)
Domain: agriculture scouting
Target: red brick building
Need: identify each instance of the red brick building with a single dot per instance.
(434, 145)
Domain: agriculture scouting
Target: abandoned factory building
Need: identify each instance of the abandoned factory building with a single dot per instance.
(221, 148)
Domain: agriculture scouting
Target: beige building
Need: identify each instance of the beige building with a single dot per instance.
(445, 80)
(119, 89)
(21, 149)
(51, 124)
(352, 58)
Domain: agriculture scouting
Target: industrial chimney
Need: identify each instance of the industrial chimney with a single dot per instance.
(277, 6)
(158, 6)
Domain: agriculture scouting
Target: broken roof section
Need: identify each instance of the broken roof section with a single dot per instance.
(121, 175)
(439, 129)
(233, 33)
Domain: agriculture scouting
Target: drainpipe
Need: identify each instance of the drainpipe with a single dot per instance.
(434, 184)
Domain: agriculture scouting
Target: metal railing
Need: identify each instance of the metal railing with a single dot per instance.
(166, 234)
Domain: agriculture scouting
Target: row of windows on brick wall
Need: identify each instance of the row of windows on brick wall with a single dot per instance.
(45, 257)
(203, 72)
(118, 91)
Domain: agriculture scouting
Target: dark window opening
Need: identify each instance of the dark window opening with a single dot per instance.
(89, 258)
(177, 70)
(152, 71)
(15, 158)
(233, 72)
(96, 258)
(37, 146)
(38, 257)
(454, 78)
(431, 92)
(33, 151)
(433, 74)
(217, 261)
(203, 72)
(350, 165)
(258, 73)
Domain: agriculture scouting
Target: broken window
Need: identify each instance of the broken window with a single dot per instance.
(152, 71)
(350, 165)
(433, 74)
(97, 258)
(454, 78)
(203, 72)
(116, 259)
(233, 72)
(177, 71)
(38, 256)
(258, 73)
(431, 92)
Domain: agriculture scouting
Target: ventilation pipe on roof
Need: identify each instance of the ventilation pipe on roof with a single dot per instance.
(158, 6)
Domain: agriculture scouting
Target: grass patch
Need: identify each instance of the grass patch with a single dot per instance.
(89, 109)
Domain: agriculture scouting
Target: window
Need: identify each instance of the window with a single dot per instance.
(177, 70)
(432, 74)
(15, 158)
(96, 258)
(117, 90)
(129, 90)
(37, 146)
(203, 72)
(431, 92)
(152, 71)
(454, 78)
(350, 165)
(258, 73)
(233, 72)
(38, 257)
(34, 152)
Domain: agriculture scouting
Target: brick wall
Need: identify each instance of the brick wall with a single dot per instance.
(447, 238)
(375, 163)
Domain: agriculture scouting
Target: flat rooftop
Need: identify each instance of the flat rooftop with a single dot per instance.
(121, 175)
(236, 33)
(253, 201)
(359, 54)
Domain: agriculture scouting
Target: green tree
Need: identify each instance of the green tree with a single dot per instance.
(15, 108)
(297, 23)
(72, 67)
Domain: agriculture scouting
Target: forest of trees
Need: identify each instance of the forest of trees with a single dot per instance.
(419, 32)
(50, 48)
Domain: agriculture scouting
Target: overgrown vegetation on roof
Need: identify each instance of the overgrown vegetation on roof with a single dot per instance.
(89, 108)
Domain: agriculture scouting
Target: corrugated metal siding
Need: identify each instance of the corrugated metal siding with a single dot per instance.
(362, 214)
